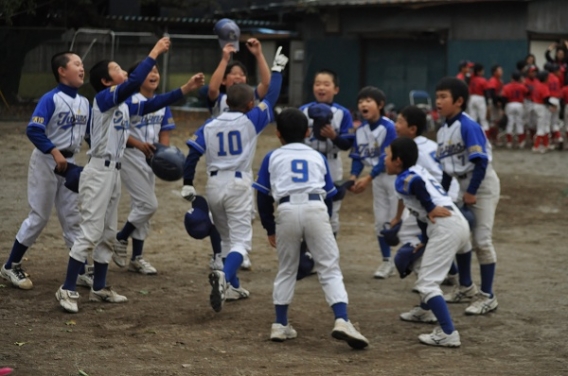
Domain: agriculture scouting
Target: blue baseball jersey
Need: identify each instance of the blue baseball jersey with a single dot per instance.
(294, 169)
(342, 123)
(404, 188)
(229, 141)
(63, 115)
(460, 140)
(148, 127)
(371, 140)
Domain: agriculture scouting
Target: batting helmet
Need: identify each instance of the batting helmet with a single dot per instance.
(197, 221)
(405, 257)
(321, 114)
(391, 233)
(72, 175)
(228, 32)
(469, 216)
(167, 162)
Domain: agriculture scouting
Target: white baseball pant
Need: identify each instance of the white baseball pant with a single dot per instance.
(309, 220)
(530, 119)
(542, 119)
(385, 200)
(477, 109)
(139, 180)
(44, 190)
(515, 115)
(99, 194)
(230, 202)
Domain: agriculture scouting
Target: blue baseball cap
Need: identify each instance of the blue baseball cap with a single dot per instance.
(72, 175)
(228, 32)
(197, 222)
(405, 257)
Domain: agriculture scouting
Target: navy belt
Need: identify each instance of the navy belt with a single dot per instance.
(117, 165)
(449, 207)
(311, 197)
(461, 177)
(66, 153)
(237, 174)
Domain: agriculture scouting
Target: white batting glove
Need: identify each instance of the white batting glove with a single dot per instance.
(280, 61)
(188, 192)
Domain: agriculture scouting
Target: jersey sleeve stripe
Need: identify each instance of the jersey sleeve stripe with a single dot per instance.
(196, 146)
(261, 188)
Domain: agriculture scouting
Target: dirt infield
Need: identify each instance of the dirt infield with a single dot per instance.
(168, 328)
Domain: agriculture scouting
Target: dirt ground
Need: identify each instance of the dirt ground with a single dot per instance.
(168, 328)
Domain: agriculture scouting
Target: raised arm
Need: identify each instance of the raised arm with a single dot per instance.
(255, 48)
(217, 77)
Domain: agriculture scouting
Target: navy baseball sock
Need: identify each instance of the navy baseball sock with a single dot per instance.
(99, 279)
(340, 311)
(137, 248)
(83, 270)
(73, 269)
(281, 314)
(232, 264)
(464, 268)
(385, 248)
(126, 231)
(453, 269)
(215, 239)
(17, 253)
(487, 275)
(440, 309)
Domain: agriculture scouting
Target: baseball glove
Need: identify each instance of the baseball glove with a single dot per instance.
(391, 233)
(321, 114)
(469, 216)
(342, 186)
(167, 162)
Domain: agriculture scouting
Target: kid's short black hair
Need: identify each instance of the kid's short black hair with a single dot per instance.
(415, 117)
(406, 149)
(456, 87)
(478, 67)
(333, 74)
(516, 76)
(239, 96)
(375, 94)
(292, 125)
(235, 63)
(60, 60)
(99, 72)
(494, 68)
(542, 75)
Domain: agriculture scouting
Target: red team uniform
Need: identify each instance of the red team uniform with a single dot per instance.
(515, 93)
(477, 107)
(539, 95)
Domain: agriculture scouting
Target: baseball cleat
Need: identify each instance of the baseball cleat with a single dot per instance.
(86, 279)
(218, 288)
(139, 265)
(216, 262)
(385, 270)
(281, 333)
(17, 276)
(119, 252)
(106, 294)
(233, 293)
(439, 338)
(345, 331)
(417, 314)
(67, 299)
(461, 294)
(482, 304)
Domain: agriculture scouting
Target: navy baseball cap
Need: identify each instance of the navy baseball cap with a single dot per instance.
(405, 257)
(228, 32)
(197, 222)
(72, 175)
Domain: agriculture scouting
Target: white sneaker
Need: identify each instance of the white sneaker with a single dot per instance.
(139, 265)
(385, 270)
(67, 299)
(439, 338)
(233, 293)
(461, 294)
(345, 331)
(218, 288)
(451, 280)
(281, 333)
(106, 294)
(119, 252)
(482, 304)
(246, 264)
(417, 314)
(17, 276)
(509, 145)
(86, 279)
(216, 262)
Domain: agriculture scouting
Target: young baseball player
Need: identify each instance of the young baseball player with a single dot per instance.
(531, 82)
(99, 188)
(298, 179)
(465, 154)
(411, 123)
(542, 108)
(477, 106)
(493, 93)
(445, 232)
(137, 175)
(464, 70)
(371, 139)
(229, 143)
(334, 137)
(554, 102)
(515, 93)
(56, 129)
